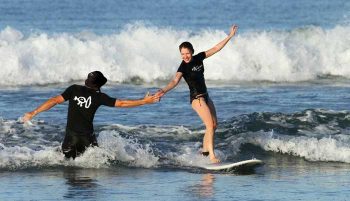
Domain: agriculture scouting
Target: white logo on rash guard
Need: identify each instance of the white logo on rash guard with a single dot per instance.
(197, 68)
(82, 100)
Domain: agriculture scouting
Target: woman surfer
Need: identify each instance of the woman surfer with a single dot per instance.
(192, 69)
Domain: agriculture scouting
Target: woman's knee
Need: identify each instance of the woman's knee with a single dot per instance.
(215, 125)
(210, 127)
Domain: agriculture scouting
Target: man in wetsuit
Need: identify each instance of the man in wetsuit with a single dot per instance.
(83, 103)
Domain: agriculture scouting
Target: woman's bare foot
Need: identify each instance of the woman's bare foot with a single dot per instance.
(214, 160)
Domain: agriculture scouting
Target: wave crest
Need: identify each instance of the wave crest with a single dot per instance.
(150, 53)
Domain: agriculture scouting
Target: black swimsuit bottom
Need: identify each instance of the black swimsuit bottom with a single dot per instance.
(197, 96)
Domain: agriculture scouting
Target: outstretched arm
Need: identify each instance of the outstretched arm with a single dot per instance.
(173, 83)
(222, 44)
(43, 107)
(134, 103)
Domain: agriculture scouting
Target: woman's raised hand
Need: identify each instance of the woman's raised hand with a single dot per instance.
(233, 30)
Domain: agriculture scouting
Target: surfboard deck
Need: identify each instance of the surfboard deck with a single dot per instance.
(241, 165)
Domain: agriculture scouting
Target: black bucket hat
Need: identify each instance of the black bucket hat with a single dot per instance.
(95, 80)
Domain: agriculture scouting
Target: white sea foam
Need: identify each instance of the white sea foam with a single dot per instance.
(151, 53)
(23, 157)
(335, 148)
(188, 155)
(112, 147)
(127, 150)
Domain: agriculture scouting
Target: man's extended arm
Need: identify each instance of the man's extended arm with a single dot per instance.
(133, 103)
(43, 107)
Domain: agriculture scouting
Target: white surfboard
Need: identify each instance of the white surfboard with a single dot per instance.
(241, 165)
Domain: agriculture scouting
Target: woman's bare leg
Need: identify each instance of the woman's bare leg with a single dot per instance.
(203, 111)
(213, 113)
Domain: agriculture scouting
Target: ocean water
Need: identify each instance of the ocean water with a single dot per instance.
(280, 86)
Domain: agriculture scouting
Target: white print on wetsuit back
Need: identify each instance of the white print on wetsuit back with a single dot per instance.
(82, 100)
(197, 68)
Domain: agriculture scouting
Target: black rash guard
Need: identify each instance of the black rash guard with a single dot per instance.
(193, 73)
(83, 103)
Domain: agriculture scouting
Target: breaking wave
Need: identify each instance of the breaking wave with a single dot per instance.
(146, 54)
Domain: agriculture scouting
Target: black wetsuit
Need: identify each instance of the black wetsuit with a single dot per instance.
(83, 103)
(193, 73)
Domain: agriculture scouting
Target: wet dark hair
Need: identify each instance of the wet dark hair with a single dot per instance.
(95, 80)
(186, 45)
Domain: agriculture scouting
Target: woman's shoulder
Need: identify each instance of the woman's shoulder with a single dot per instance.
(200, 56)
